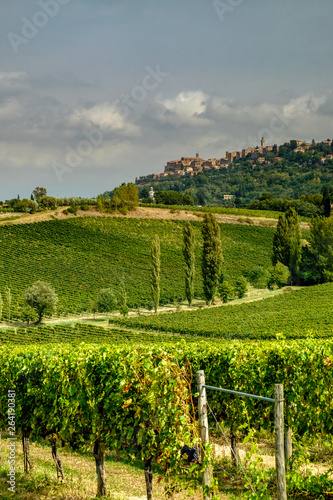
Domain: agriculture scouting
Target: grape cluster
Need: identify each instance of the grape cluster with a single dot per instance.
(192, 453)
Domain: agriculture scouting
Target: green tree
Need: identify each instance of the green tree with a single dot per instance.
(41, 297)
(106, 301)
(28, 315)
(321, 242)
(39, 192)
(155, 271)
(287, 244)
(226, 292)
(1, 306)
(212, 257)
(279, 276)
(258, 277)
(189, 257)
(123, 307)
(241, 287)
(326, 203)
(8, 303)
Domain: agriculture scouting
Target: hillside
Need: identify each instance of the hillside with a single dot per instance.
(295, 314)
(289, 171)
(79, 256)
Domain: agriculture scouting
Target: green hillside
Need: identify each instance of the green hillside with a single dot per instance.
(294, 314)
(82, 255)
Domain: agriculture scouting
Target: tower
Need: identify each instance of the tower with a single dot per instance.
(263, 142)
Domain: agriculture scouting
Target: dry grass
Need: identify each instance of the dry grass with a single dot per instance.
(124, 481)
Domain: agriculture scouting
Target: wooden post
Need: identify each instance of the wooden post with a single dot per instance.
(279, 444)
(203, 423)
(288, 446)
(57, 459)
(28, 462)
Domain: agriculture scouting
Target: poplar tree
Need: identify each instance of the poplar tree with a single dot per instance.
(155, 271)
(212, 257)
(287, 244)
(188, 252)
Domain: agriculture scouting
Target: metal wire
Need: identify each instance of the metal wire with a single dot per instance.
(229, 391)
(238, 462)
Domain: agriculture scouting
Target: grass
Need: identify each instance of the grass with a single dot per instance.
(125, 481)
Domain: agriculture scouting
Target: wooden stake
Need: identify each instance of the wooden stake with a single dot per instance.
(28, 462)
(203, 423)
(288, 446)
(279, 444)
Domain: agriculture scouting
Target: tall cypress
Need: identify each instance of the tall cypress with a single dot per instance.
(155, 271)
(188, 252)
(326, 203)
(287, 244)
(212, 257)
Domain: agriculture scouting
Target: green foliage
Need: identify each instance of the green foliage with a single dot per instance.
(241, 287)
(1, 306)
(287, 245)
(29, 315)
(133, 400)
(107, 301)
(226, 292)
(41, 297)
(294, 313)
(155, 271)
(279, 276)
(212, 257)
(257, 276)
(91, 253)
(326, 203)
(189, 257)
(321, 241)
(173, 198)
(72, 210)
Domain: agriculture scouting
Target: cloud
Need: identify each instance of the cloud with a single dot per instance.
(187, 108)
(105, 116)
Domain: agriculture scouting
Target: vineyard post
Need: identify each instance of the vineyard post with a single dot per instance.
(279, 444)
(203, 424)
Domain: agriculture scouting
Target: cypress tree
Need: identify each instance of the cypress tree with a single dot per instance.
(188, 252)
(212, 257)
(287, 244)
(326, 203)
(155, 271)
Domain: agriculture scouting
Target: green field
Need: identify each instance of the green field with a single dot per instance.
(82, 255)
(295, 314)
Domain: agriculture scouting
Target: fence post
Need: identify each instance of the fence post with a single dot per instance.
(279, 443)
(203, 424)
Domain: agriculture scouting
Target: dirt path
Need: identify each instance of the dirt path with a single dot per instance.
(149, 213)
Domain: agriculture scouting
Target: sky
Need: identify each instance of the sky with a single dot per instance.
(94, 93)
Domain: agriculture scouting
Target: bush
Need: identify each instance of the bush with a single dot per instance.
(241, 287)
(226, 292)
(72, 210)
(279, 276)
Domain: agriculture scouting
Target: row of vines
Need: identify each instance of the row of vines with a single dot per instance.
(295, 314)
(80, 256)
(137, 399)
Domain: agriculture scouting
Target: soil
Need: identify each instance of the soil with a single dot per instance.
(148, 213)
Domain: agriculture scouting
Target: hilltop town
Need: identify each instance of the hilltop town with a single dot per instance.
(191, 166)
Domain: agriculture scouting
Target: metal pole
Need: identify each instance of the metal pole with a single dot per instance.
(279, 443)
(203, 423)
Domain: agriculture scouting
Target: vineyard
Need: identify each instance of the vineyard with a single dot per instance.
(293, 314)
(90, 334)
(80, 256)
(101, 393)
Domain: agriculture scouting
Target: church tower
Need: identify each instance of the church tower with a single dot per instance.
(263, 142)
